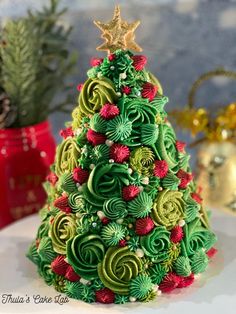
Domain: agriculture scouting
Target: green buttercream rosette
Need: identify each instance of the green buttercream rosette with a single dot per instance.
(197, 237)
(115, 208)
(98, 124)
(113, 233)
(32, 253)
(142, 161)
(119, 129)
(168, 208)
(96, 93)
(141, 206)
(45, 250)
(62, 229)
(141, 286)
(106, 180)
(46, 272)
(165, 147)
(79, 291)
(66, 183)
(157, 272)
(199, 262)
(182, 266)
(84, 253)
(118, 267)
(156, 244)
(67, 155)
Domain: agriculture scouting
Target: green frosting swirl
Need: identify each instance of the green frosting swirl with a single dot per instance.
(192, 209)
(43, 229)
(141, 286)
(141, 160)
(66, 183)
(98, 124)
(76, 202)
(46, 272)
(84, 252)
(157, 272)
(184, 162)
(182, 266)
(62, 229)
(141, 206)
(32, 254)
(170, 181)
(95, 93)
(165, 147)
(45, 250)
(113, 233)
(119, 129)
(115, 208)
(199, 262)
(118, 267)
(168, 208)
(156, 244)
(67, 156)
(106, 180)
(149, 134)
(100, 153)
(197, 237)
(77, 290)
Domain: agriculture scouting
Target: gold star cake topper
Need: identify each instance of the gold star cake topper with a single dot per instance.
(118, 34)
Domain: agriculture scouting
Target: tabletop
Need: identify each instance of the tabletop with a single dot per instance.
(22, 291)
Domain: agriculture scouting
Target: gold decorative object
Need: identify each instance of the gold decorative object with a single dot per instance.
(118, 34)
(216, 156)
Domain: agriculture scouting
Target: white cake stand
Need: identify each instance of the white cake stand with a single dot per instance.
(213, 292)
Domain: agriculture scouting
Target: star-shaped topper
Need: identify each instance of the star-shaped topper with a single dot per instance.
(118, 34)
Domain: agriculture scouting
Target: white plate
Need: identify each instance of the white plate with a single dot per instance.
(213, 292)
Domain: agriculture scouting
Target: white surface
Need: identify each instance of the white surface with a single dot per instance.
(213, 292)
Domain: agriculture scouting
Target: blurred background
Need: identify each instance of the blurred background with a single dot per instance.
(181, 38)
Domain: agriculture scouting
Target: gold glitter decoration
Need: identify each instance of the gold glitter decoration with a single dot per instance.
(118, 34)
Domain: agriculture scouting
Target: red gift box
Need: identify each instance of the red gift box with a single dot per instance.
(25, 156)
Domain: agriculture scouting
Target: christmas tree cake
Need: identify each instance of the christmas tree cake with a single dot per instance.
(123, 221)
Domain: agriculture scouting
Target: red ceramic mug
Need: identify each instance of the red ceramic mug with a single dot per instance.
(25, 156)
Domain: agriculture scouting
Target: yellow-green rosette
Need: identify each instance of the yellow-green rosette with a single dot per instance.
(168, 208)
(84, 253)
(62, 229)
(95, 93)
(156, 244)
(67, 155)
(118, 268)
(141, 160)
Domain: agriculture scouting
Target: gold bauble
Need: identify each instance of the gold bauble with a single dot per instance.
(216, 165)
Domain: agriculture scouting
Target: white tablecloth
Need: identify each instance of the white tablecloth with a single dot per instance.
(213, 292)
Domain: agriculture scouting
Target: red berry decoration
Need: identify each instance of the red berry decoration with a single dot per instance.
(119, 153)
(169, 283)
(160, 168)
(212, 252)
(67, 132)
(71, 274)
(126, 90)
(130, 192)
(80, 175)
(176, 234)
(180, 146)
(139, 62)
(196, 197)
(79, 87)
(95, 138)
(59, 265)
(105, 220)
(144, 226)
(61, 202)
(105, 295)
(109, 111)
(96, 61)
(149, 91)
(185, 281)
(52, 178)
(122, 243)
(185, 178)
(111, 57)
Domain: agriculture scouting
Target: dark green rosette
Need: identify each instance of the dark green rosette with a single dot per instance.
(168, 208)
(84, 253)
(118, 267)
(197, 237)
(156, 244)
(95, 93)
(62, 229)
(115, 208)
(106, 180)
